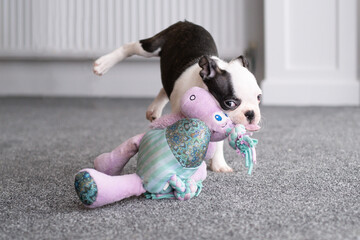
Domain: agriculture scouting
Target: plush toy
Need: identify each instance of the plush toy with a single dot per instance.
(241, 141)
(170, 156)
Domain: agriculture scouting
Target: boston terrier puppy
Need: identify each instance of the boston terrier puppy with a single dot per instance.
(188, 58)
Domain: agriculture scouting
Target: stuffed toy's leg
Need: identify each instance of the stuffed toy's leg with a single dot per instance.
(112, 163)
(96, 189)
(211, 151)
(200, 174)
(183, 190)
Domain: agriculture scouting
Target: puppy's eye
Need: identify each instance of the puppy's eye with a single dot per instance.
(231, 104)
(259, 97)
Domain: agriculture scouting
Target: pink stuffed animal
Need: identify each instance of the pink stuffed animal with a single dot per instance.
(170, 156)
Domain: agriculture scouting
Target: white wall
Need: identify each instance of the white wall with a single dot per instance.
(358, 37)
(312, 52)
(47, 47)
(75, 78)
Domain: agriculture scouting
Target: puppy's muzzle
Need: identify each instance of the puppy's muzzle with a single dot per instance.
(250, 115)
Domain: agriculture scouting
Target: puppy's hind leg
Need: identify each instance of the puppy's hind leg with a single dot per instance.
(149, 47)
(155, 109)
(104, 63)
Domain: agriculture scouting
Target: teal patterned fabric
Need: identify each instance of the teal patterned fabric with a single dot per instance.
(177, 150)
(183, 191)
(188, 140)
(156, 162)
(86, 188)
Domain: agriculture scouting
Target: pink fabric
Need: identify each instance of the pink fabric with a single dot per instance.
(113, 163)
(253, 154)
(196, 103)
(166, 120)
(211, 151)
(200, 174)
(115, 188)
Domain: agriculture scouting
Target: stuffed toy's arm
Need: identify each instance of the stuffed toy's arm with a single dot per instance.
(166, 120)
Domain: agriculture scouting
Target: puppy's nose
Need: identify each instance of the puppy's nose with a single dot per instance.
(250, 115)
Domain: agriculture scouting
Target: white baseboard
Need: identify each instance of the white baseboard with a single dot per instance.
(75, 78)
(301, 92)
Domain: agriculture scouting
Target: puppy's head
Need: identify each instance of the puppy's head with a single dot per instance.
(235, 88)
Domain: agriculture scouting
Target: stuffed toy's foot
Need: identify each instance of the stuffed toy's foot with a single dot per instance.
(112, 163)
(85, 188)
(185, 190)
(96, 189)
(182, 190)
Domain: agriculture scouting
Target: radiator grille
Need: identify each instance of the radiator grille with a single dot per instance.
(89, 28)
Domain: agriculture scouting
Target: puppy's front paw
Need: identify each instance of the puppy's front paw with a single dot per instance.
(103, 64)
(153, 114)
(220, 167)
(150, 115)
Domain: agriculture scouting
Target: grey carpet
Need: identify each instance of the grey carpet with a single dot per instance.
(305, 185)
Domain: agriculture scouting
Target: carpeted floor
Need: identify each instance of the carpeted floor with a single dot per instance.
(306, 184)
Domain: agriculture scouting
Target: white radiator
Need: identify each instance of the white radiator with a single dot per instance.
(89, 28)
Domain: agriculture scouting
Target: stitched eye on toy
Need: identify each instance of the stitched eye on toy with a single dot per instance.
(218, 117)
(192, 97)
(232, 104)
(259, 97)
(226, 115)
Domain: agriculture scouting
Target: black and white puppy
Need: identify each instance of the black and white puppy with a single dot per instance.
(188, 58)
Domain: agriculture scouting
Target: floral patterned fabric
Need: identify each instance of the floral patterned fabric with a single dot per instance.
(188, 140)
(86, 188)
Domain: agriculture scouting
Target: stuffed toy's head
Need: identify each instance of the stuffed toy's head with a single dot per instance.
(199, 103)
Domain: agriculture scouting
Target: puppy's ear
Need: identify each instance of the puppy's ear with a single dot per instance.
(244, 61)
(208, 68)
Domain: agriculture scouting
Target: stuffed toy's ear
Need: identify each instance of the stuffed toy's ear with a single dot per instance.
(208, 68)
